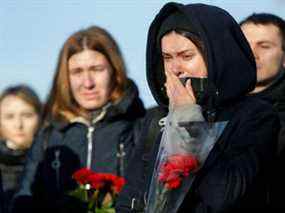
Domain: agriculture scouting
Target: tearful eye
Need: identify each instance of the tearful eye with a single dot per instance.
(97, 68)
(166, 58)
(187, 57)
(75, 71)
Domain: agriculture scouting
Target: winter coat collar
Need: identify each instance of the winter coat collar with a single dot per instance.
(129, 106)
(9, 156)
(275, 93)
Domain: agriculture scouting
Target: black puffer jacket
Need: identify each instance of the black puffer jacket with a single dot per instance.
(235, 175)
(11, 168)
(62, 148)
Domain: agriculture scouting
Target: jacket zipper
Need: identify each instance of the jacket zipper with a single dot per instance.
(89, 146)
(91, 129)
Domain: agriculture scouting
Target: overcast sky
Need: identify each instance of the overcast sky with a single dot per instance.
(33, 31)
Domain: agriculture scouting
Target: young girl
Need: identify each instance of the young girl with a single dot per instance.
(20, 110)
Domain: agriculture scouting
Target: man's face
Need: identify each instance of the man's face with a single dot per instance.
(90, 79)
(266, 44)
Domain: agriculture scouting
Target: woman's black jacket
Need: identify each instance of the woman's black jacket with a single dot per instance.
(62, 148)
(236, 174)
(11, 168)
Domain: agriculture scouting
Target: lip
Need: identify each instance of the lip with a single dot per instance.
(90, 96)
(20, 135)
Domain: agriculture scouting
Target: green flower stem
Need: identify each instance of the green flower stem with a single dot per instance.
(161, 199)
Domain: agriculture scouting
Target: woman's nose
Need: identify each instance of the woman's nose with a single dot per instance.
(88, 80)
(19, 123)
(176, 68)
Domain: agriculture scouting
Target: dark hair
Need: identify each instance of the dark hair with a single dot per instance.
(25, 93)
(194, 38)
(61, 104)
(266, 19)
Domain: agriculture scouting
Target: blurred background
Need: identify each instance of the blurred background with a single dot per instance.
(33, 31)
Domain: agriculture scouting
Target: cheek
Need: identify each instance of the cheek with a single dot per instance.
(272, 57)
(7, 124)
(6, 128)
(166, 66)
(104, 81)
(196, 68)
(74, 83)
(31, 125)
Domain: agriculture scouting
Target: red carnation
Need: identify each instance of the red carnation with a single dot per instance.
(118, 184)
(96, 181)
(81, 175)
(175, 168)
(96, 187)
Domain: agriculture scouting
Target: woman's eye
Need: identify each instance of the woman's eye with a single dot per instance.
(28, 114)
(75, 71)
(97, 68)
(187, 57)
(166, 58)
(8, 116)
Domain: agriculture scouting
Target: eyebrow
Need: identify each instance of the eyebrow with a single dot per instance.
(180, 52)
(89, 67)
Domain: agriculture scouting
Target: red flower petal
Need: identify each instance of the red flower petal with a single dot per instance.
(81, 175)
(176, 167)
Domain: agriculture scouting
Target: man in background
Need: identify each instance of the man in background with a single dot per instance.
(266, 35)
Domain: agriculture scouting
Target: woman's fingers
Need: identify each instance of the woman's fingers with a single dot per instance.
(190, 89)
(178, 94)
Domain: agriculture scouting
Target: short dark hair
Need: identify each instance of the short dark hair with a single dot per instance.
(265, 19)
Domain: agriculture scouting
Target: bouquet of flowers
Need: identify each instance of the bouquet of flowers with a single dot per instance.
(183, 150)
(171, 174)
(98, 190)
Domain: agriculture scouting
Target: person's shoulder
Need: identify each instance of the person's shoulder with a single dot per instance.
(257, 106)
(155, 111)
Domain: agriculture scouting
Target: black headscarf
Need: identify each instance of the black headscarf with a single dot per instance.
(231, 65)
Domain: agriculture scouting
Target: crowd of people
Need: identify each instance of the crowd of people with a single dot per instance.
(215, 143)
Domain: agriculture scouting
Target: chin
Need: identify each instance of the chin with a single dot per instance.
(93, 106)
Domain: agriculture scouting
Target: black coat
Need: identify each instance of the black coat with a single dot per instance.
(234, 177)
(11, 168)
(236, 174)
(275, 94)
(61, 148)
